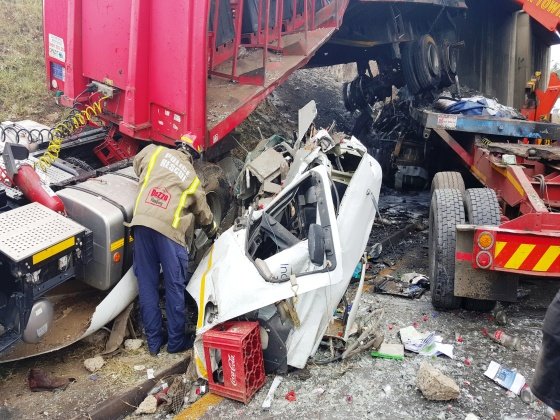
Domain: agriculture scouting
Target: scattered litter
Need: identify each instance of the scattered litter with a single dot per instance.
(472, 416)
(161, 387)
(39, 380)
(459, 338)
(150, 373)
(132, 344)
(139, 368)
(270, 395)
(425, 344)
(93, 377)
(468, 361)
(506, 340)
(387, 389)
(411, 285)
(357, 271)
(389, 351)
(415, 278)
(318, 391)
(505, 377)
(434, 385)
(349, 399)
(476, 105)
(291, 395)
(499, 314)
(148, 406)
(94, 364)
(527, 395)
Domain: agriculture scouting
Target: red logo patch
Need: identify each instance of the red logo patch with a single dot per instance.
(158, 197)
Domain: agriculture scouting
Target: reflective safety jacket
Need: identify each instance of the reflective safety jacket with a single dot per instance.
(170, 198)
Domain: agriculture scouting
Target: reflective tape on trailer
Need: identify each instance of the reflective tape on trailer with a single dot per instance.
(534, 254)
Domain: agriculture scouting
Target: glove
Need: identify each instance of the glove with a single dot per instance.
(211, 229)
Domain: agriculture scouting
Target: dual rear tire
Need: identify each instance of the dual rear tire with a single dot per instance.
(427, 65)
(451, 205)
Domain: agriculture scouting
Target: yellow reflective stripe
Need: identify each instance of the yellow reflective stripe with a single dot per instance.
(189, 191)
(548, 258)
(119, 243)
(200, 319)
(498, 248)
(201, 367)
(147, 177)
(520, 256)
(53, 250)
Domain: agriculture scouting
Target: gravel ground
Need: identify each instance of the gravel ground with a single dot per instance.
(364, 387)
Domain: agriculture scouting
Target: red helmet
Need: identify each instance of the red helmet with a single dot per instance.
(187, 143)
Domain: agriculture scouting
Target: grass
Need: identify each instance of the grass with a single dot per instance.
(23, 89)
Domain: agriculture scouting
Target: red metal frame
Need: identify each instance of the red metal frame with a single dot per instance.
(530, 243)
(539, 103)
(158, 57)
(512, 183)
(546, 12)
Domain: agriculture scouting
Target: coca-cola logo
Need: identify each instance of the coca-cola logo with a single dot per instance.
(231, 364)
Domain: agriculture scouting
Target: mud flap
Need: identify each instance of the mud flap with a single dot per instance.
(477, 283)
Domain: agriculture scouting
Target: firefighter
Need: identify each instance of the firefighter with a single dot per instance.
(170, 203)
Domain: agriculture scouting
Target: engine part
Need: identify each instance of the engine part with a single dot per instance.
(365, 90)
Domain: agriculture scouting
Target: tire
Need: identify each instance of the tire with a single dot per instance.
(482, 208)
(427, 62)
(407, 62)
(452, 180)
(446, 212)
(450, 58)
(219, 199)
(216, 186)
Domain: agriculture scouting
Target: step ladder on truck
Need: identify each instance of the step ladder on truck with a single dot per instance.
(482, 239)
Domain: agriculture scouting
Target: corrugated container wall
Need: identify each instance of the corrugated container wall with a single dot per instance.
(503, 49)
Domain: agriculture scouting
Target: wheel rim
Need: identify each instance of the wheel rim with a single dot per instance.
(433, 60)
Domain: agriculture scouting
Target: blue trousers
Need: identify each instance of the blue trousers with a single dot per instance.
(152, 249)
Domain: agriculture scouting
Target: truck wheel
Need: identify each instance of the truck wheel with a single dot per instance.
(446, 212)
(452, 180)
(450, 57)
(407, 61)
(427, 62)
(215, 184)
(482, 208)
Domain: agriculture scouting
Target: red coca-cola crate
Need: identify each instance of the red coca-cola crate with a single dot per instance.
(239, 344)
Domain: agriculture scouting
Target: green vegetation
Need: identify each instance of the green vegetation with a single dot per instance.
(23, 90)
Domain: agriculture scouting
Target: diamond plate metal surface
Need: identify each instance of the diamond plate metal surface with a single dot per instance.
(33, 228)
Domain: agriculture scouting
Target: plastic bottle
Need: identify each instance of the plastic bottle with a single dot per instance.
(499, 314)
(526, 394)
(506, 340)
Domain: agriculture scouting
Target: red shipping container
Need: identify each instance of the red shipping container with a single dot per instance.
(242, 359)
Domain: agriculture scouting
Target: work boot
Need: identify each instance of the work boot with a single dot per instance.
(38, 380)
